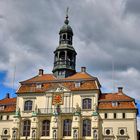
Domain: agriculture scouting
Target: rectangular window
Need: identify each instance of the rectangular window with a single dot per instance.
(67, 127)
(115, 115)
(86, 127)
(105, 115)
(1, 107)
(77, 84)
(123, 115)
(38, 85)
(1, 117)
(7, 117)
(26, 127)
(86, 103)
(28, 105)
(114, 103)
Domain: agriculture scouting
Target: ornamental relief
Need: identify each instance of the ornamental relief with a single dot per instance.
(58, 99)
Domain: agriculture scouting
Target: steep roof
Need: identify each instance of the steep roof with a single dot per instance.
(87, 82)
(40, 78)
(7, 105)
(114, 97)
(116, 101)
(52, 78)
(121, 105)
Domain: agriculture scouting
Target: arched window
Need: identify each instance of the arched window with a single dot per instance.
(62, 55)
(26, 127)
(46, 128)
(67, 127)
(64, 36)
(86, 103)
(28, 105)
(86, 127)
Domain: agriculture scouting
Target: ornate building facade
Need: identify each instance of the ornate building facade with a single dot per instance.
(66, 104)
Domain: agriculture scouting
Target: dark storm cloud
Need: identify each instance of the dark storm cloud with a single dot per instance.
(133, 7)
(103, 34)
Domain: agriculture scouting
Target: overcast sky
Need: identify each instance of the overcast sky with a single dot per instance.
(106, 37)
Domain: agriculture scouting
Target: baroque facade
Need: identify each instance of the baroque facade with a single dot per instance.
(67, 104)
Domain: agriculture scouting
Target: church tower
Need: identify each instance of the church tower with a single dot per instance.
(65, 54)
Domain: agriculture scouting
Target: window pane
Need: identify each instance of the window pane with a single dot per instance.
(86, 128)
(46, 128)
(28, 105)
(67, 127)
(86, 103)
(26, 128)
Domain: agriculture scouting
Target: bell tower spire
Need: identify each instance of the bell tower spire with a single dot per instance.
(66, 20)
(65, 54)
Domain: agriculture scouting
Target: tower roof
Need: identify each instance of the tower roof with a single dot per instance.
(65, 54)
(66, 28)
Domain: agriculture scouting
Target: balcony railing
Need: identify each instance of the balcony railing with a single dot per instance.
(45, 110)
(67, 110)
(54, 110)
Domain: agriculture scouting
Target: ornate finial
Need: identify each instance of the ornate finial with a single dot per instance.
(66, 20)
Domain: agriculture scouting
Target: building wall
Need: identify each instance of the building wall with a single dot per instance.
(6, 125)
(42, 109)
(128, 124)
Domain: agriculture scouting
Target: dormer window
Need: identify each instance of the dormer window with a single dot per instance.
(77, 84)
(38, 85)
(1, 117)
(1, 107)
(114, 103)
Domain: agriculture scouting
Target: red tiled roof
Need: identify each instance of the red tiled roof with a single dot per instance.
(51, 77)
(123, 101)
(79, 75)
(8, 105)
(48, 81)
(8, 109)
(121, 105)
(85, 85)
(40, 78)
(8, 101)
(114, 96)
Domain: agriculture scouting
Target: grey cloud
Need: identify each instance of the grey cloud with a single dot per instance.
(103, 33)
(132, 7)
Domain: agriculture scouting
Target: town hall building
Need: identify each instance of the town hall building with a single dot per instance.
(67, 104)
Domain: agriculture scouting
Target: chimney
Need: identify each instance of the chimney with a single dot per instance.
(40, 72)
(7, 95)
(120, 89)
(83, 69)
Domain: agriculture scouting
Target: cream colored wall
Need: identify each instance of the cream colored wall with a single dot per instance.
(6, 124)
(78, 96)
(71, 100)
(128, 114)
(45, 100)
(129, 122)
(116, 124)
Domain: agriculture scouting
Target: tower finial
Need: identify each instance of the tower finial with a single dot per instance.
(67, 10)
(66, 20)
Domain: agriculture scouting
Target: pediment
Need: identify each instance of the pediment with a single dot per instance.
(58, 88)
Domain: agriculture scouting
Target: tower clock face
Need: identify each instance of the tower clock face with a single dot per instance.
(57, 99)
